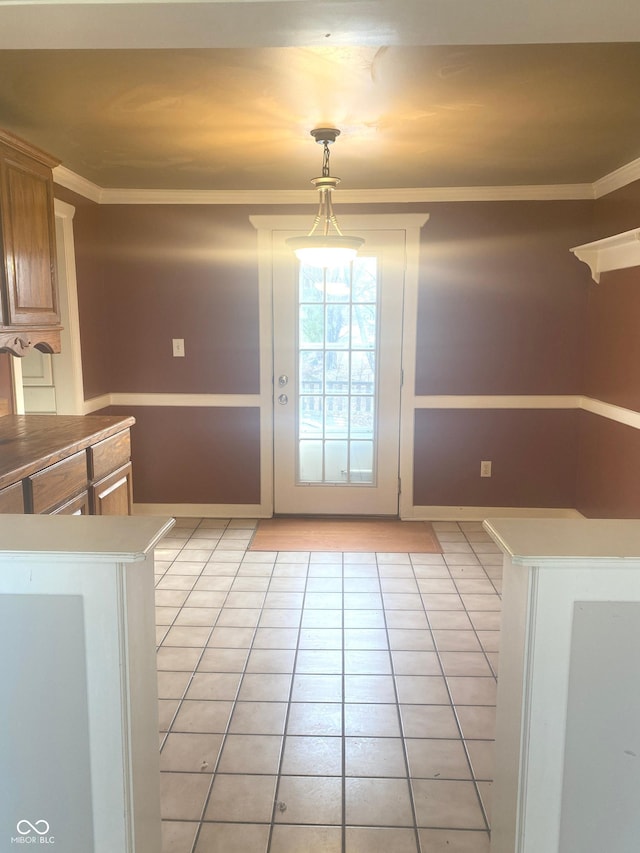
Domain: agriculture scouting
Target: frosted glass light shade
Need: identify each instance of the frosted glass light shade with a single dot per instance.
(325, 251)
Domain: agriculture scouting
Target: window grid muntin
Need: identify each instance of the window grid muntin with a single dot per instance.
(337, 292)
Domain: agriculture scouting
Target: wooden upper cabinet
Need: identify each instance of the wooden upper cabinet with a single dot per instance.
(29, 313)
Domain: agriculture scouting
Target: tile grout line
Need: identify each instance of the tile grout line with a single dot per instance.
(453, 705)
(403, 739)
(189, 682)
(278, 773)
(343, 710)
(200, 821)
(200, 656)
(226, 733)
(173, 624)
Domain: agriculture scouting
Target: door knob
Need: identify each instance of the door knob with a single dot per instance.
(283, 380)
(283, 399)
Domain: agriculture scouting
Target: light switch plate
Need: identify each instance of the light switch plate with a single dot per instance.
(178, 347)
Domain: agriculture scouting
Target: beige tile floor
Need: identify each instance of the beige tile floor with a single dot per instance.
(318, 702)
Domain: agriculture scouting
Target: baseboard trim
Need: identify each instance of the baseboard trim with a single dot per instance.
(479, 513)
(203, 510)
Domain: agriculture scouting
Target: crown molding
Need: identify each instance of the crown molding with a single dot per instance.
(77, 184)
(246, 197)
(417, 195)
(621, 177)
(531, 192)
(408, 195)
(611, 253)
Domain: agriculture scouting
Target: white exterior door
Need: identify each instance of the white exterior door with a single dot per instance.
(337, 342)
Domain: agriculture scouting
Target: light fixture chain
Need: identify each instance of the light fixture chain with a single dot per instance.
(325, 160)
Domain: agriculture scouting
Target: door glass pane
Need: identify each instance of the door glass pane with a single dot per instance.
(362, 417)
(365, 284)
(337, 327)
(311, 416)
(337, 374)
(336, 416)
(338, 284)
(310, 461)
(311, 371)
(335, 461)
(364, 326)
(311, 285)
(363, 372)
(361, 460)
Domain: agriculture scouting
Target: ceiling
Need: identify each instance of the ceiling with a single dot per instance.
(166, 108)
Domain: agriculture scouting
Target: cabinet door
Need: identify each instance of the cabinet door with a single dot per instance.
(28, 236)
(76, 506)
(113, 495)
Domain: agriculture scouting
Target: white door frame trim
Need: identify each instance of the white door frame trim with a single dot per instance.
(409, 344)
(410, 223)
(67, 365)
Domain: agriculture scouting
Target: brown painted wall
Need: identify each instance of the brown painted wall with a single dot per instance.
(533, 452)
(609, 452)
(608, 481)
(150, 273)
(612, 359)
(194, 455)
(503, 310)
(502, 300)
(618, 211)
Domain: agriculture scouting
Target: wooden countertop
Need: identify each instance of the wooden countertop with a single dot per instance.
(31, 442)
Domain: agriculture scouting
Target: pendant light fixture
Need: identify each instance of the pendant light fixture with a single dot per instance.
(325, 245)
